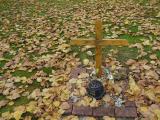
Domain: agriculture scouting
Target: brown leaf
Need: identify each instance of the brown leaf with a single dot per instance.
(153, 57)
(65, 105)
(3, 103)
(130, 62)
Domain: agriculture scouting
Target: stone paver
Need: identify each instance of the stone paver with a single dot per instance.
(126, 112)
(129, 111)
(101, 111)
(82, 111)
(130, 104)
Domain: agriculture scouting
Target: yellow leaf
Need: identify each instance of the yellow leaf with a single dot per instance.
(157, 113)
(133, 87)
(85, 61)
(108, 118)
(90, 118)
(82, 91)
(31, 106)
(6, 115)
(18, 112)
(144, 109)
(150, 94)
(83, 75)
(126, 22)
(56, 103)
(117, 89)
(71, 117)
(17, 115)
(65, 106)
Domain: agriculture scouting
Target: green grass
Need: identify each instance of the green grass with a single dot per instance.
(132, 38)
(124, 53)
(148, 48)
(33, 86)
(23, 73)
(142, 2)
(47, 70)
(8, 55)
(20, 101)
(2, 97)
(30, 87)
(158, 54)
(133, 29)
(14, 46)
(2, 63)
(5, 5)
(82, 55)
(29, 114)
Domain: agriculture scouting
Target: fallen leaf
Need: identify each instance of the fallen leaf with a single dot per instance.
(18, 111)
(157, 113)
(89, 53)
(82, 91)
(153, 57)
(108, 118)
(130, 62)
(152, 74)
(65, 105)
(146, 67)
(56, 103)
(83, 75)
(150, 94)
(85, 61)
(6, 115)
(31, 106)
(3, 103)
(133, 87)
(107, 98)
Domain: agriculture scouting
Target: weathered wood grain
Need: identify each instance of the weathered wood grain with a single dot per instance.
(104, 42)
(98, 30)
(82, 42)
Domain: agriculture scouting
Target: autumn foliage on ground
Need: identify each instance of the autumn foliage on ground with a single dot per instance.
(36, 58)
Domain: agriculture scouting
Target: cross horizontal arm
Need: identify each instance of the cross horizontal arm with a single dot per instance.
(82, 42)
(120, 42)
(103, 42)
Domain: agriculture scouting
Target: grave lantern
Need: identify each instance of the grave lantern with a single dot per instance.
(96, 89)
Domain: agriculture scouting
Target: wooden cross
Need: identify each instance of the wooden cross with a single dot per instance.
(98, 42)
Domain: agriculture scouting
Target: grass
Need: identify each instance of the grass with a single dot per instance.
(23, 73)
(158, 54)
(2, 97)
(2, 63)
(48, 70)
(8, 55)
(132, 38)
(33, 86)
(20, 101)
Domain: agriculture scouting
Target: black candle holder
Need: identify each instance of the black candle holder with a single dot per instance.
(95, 89)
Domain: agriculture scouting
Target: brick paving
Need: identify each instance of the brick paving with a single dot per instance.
(82, 111)
(101, 111)
(125, 112)
(129, 110)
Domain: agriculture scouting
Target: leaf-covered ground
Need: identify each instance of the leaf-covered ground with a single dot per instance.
(36, 58)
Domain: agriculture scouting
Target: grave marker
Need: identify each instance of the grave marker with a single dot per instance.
(98, 42)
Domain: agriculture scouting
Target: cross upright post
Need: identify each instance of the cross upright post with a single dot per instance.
(98, 30)
(99, 42)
